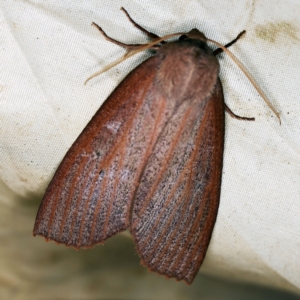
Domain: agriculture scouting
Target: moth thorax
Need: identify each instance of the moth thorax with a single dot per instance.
(186, 69)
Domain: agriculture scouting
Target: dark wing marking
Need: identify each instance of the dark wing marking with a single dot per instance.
(90, 195)
(176, 203)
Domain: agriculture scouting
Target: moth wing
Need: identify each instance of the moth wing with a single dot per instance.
(90, 195)
(177, 200)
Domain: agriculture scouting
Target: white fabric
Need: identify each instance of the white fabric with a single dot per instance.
(48, 49)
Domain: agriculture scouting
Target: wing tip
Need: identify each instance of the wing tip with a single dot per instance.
(68, 244)
(38, 231)
(187, 279)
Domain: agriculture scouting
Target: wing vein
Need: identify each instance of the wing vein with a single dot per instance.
(84, 212)
(195, 222)
(53, 212)
(115, 184)
(112, 156)
(186, 190)
(70, 195)
(153, 139)
(166, 160)
(74, 217)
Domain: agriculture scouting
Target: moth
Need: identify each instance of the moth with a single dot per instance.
(150, 160)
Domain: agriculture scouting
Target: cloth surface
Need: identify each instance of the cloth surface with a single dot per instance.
(48, 49)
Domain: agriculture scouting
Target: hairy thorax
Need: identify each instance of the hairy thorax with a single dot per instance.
(186, 68)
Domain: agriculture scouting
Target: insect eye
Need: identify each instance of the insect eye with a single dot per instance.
(182, 37)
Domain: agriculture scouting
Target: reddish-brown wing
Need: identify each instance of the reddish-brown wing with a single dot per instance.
(176, 203)
(90, 196)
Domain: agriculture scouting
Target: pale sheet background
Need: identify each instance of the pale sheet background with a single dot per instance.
(48, 49)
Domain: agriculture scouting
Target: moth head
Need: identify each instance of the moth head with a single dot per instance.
(194, 34)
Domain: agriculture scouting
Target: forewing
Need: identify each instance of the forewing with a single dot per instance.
(176, 203)
(90, 195)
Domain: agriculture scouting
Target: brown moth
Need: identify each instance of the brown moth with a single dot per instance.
(150, 161)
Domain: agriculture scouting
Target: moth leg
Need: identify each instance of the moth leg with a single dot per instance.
(240, 35)
(233, 115)
(151, 35)
(127, 46)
